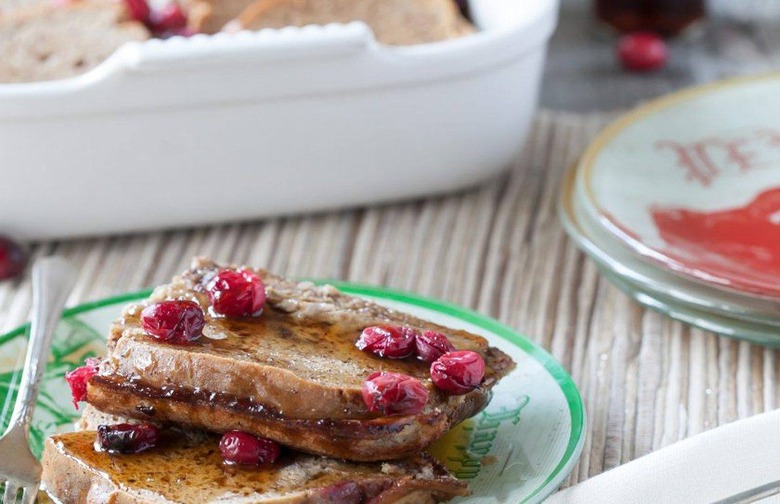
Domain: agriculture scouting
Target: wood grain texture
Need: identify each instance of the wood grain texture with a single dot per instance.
(647, 381)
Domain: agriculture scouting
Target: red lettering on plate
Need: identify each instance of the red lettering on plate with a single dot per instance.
(737, 155)
(705, 160)
(693, 158)
(771, 136)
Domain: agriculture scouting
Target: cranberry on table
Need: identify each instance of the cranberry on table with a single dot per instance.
(394, 393)
(127, 438)
(178, 322)
(236, 293)
(242, 448)
(458, 372)
(78, 378)
(431, 345)
(642, 51)
(388, 341)
(13, 258)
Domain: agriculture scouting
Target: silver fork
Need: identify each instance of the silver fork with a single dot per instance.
(52, 279)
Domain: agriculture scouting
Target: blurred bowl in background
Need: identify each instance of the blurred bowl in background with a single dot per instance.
(232, 127)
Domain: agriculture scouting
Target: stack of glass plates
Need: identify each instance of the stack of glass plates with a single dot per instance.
(679, 204)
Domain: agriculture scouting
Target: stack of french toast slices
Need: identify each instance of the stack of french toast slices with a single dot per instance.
(235, 385)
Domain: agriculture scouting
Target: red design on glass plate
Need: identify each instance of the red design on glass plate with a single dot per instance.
(740, 246)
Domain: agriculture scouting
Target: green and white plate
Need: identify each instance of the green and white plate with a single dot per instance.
(518, 450)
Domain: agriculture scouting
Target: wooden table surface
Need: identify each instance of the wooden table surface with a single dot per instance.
(646, 381)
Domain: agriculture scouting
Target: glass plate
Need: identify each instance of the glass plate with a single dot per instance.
(754, 333)
(691, 183)
(687, 301)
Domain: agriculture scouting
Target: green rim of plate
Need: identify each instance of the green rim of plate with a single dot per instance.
(552, 366)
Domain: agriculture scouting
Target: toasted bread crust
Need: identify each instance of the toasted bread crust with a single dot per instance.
(384, 438)
(179, 472)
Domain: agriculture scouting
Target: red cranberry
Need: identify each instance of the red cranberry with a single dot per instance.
(241, 448)
(177, 322)
(12, 258)
(387, 341)
(237, 293)
(458, 372)
(394, 393)
(168, 19)
(127, 438)
(78, 378)
(138, 10)
(431, 345)
(642, 51)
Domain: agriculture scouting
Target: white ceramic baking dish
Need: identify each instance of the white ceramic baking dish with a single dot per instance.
(233, 127)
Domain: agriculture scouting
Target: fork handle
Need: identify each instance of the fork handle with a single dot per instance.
(53, 279)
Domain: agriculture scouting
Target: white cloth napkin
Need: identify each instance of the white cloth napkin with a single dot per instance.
(702, 469)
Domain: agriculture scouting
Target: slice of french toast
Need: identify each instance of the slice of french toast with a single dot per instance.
(394, 22)
(47, 41)
(183, 471)
(189, 460)
(293, 374)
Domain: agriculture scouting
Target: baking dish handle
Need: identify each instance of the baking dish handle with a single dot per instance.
(287, 44)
